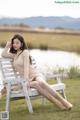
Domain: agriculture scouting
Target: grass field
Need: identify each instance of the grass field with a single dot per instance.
(52, 41)
(49, 111)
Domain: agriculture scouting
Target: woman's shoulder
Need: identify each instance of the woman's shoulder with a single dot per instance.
(25, 52)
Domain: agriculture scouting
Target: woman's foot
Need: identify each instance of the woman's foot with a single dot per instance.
(3, 92)
(70, 107)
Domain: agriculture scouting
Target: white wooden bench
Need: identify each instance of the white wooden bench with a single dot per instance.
(11, 78)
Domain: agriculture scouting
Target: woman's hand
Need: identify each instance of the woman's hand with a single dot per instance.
(8, 44)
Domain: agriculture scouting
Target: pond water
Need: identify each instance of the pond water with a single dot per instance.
(55, 59)
(48, 61)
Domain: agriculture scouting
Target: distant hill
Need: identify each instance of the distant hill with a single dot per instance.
(49, 22)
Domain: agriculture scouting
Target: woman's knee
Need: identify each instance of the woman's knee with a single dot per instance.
(34, 84)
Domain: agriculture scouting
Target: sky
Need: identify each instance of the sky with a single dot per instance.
(30, 8)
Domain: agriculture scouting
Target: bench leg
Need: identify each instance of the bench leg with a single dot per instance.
(62, 92)
(8, 97)
(27, 98)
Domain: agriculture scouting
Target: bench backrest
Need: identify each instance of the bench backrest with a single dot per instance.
(8, 71)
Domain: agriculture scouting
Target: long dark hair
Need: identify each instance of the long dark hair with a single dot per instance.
(21, 39)
(23, 45)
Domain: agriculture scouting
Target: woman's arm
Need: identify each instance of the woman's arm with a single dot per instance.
(26, 63)
(6, 53)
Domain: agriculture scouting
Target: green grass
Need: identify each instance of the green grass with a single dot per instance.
(48, 111)
(52, 41)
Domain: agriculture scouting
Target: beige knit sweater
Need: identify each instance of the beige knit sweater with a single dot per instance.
(21, 63)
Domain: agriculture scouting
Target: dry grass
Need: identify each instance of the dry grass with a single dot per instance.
(52, 41)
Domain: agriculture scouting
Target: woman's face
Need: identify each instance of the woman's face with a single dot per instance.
(17, 44)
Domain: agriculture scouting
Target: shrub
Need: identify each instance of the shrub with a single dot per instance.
(74, 72)
(2, 44)
(43, 47)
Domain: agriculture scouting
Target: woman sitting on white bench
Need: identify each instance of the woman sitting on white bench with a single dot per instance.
(17, 50)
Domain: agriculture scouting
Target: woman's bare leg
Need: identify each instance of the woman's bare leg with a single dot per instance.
(57, 96)
(43, 92)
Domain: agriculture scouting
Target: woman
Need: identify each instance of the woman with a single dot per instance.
(17, 50)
